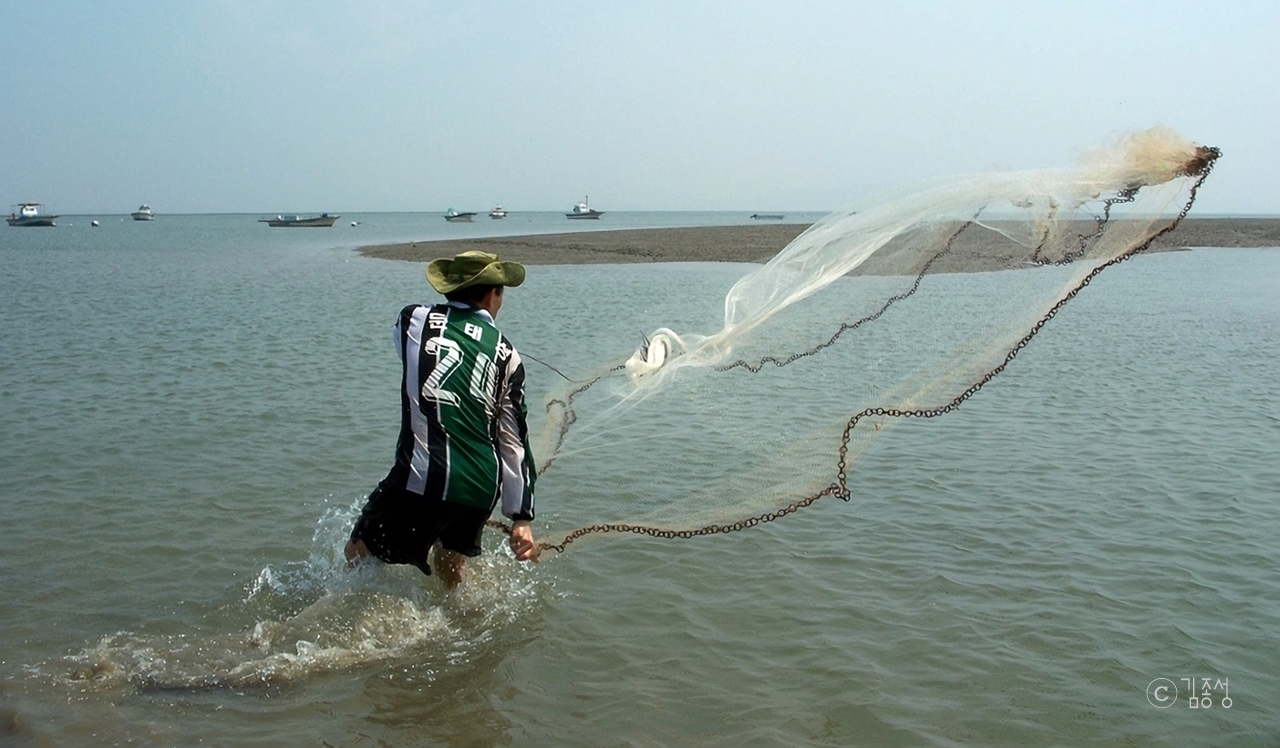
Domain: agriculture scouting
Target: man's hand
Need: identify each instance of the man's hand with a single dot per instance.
(522, 541)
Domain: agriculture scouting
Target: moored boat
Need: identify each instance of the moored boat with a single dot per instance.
(143, 213)
(453, 216)
(322, 220)
(30, 214)
(497, 212)
(582, 210)
(768, 216)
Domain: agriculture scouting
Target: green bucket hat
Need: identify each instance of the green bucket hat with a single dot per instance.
(473, 268)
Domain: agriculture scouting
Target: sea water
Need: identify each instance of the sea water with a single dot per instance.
(193, 410)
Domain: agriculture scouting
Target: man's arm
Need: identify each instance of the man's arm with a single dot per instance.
(518, 474)
(517, 470)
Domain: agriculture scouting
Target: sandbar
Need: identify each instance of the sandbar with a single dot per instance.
(749, 243)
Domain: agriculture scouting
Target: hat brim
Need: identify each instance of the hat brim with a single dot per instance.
(499, 273)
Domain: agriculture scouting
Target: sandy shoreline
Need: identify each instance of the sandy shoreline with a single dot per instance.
(754, 243)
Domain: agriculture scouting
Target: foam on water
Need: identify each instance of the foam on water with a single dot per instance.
(318, 617)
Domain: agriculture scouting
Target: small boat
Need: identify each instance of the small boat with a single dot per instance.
(453, 216)
(581, 210)
(29, 214)
(322, 220)
(143, 213)
(768, 216)
(497, 212)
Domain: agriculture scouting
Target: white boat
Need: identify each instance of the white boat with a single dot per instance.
(143, 213)
(453, 216)
(323, 220)
(497, 212)
(29, 214)
(582, 210)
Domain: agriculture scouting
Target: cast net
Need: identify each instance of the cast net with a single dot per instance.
(898, 311)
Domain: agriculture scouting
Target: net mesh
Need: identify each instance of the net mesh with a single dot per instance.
(903, 310)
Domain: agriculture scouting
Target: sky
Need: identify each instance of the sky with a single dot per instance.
(270, 106)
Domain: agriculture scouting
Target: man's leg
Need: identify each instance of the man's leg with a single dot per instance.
(449, 565)
(355, 550)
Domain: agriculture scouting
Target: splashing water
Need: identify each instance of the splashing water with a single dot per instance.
(904, 309)
(320, 617)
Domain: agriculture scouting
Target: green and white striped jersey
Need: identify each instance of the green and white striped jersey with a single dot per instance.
(463, 431)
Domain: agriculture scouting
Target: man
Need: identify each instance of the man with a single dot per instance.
(463, 444)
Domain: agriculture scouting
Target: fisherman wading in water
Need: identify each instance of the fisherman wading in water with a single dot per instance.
(463, 444)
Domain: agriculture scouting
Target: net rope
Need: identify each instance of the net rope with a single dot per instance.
(926, 299)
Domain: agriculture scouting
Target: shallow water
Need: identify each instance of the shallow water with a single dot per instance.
(193, 415)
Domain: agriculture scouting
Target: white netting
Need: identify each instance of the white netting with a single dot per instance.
(899, 309)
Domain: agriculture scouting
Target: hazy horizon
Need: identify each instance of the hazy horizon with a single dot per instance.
(1197, 213)
(393, 106)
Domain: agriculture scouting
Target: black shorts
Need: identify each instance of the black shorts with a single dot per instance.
(399, 526)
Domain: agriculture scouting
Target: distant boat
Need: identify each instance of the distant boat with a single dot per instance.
(144, 213)
(453, 216)
(768, 216)
(322, 220)
(29, 214)
(581, 210)
(497, 212)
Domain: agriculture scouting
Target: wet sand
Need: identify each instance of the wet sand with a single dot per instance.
(755, 243)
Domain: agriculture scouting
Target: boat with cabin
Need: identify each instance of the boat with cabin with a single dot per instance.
(583, 210)
(497, 212)
(322, 220)
(143, 213)
(30, 214)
